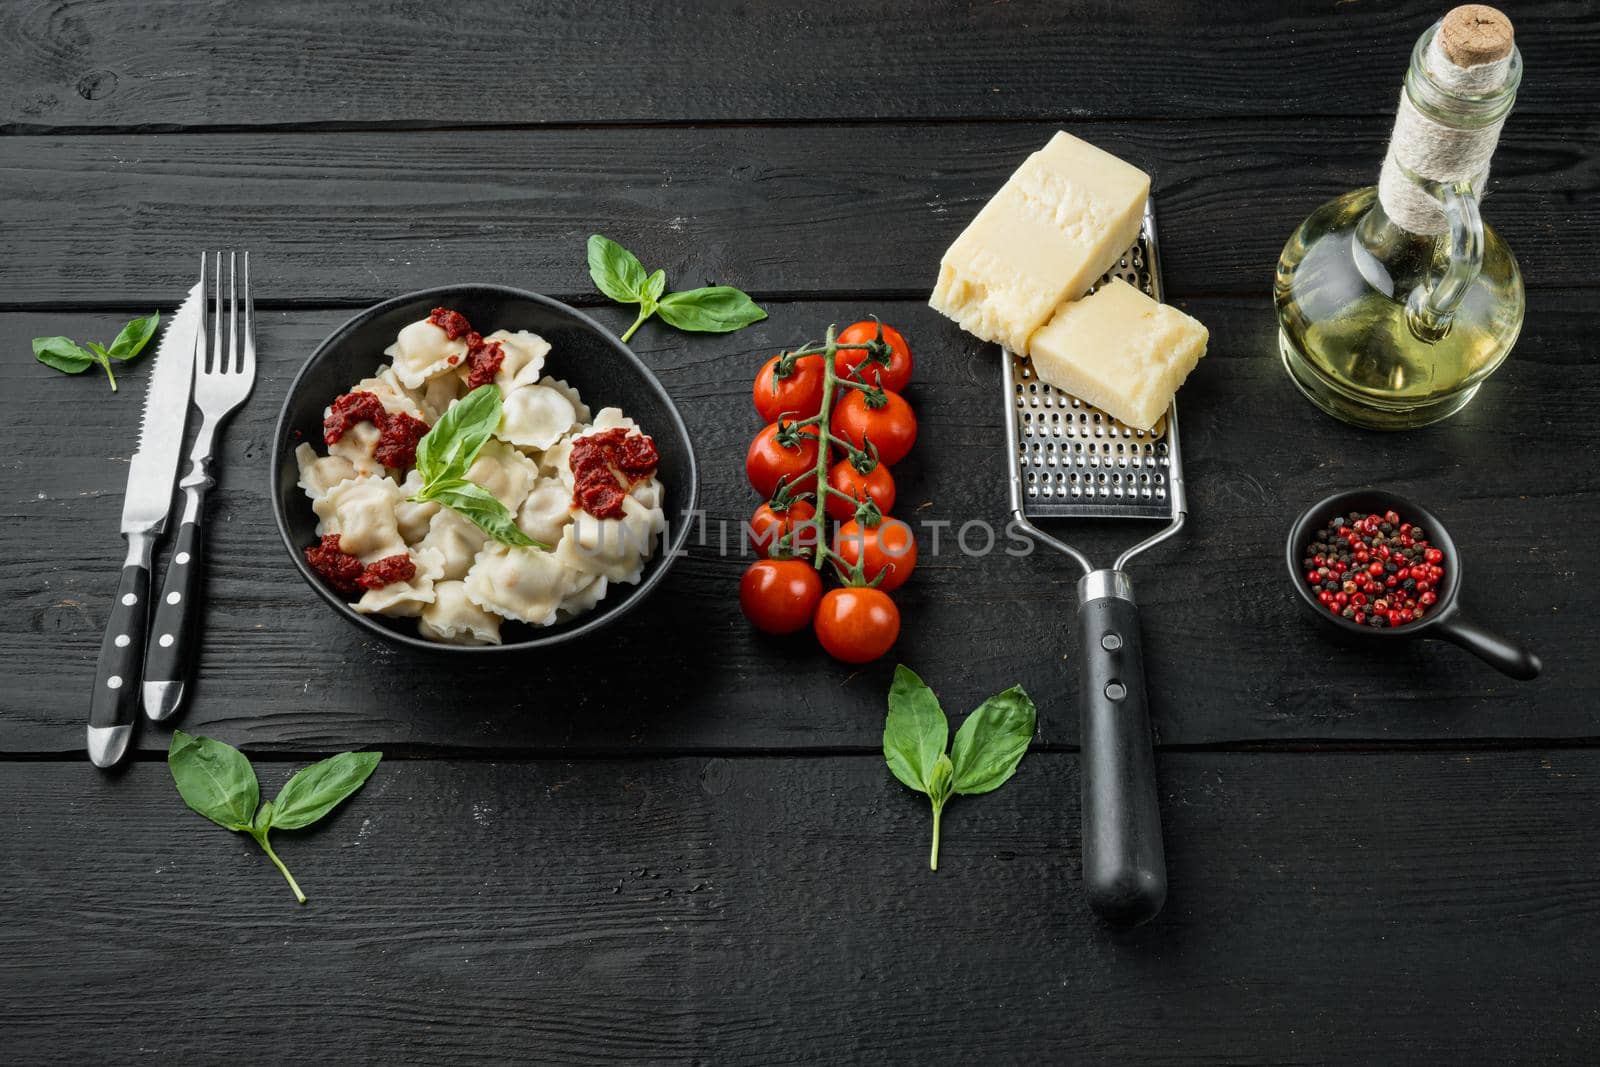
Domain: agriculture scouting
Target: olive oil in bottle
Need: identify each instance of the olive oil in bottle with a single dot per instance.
(1395, 301)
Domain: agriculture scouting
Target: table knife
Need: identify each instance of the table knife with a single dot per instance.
(114, 704)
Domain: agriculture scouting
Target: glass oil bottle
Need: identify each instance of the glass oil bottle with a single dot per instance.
(1396, 301)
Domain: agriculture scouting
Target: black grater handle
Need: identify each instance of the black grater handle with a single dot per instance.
(1124, 867)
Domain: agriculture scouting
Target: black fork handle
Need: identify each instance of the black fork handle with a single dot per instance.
(171, 655)
(1124, 866)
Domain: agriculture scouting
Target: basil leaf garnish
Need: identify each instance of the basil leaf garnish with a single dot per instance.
(134, 336)
(214, 779)
(319, 788)
(453, 443)
(486, 512)
(915, 732)
(992, 741)
(63, 354)
(618, 273)
(985, 755)
(447, 451)
(715, 309)
(217, 781)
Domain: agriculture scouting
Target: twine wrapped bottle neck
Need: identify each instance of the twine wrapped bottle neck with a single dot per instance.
(1446, 128)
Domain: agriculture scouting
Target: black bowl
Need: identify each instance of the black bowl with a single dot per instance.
(602, 368)
(1444, 621)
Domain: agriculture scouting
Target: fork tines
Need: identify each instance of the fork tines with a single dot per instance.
(217, 359)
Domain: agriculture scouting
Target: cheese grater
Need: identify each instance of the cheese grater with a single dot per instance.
(1073, 461)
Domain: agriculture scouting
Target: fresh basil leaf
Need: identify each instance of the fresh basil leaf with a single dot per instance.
(915, 731)
(616, 271)
(263, 820)
(992, 741)
(214, 779)
(448, 449)
(134, 336)
(715, 309)
(485, 510)
(319, 788)
(63, 354)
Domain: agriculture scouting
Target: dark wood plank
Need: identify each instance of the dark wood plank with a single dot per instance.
(173, 65)
(805, 212)
(1229, 660)
(1324, 908)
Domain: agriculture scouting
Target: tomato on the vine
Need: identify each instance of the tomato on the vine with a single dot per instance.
(797, 396)
(780, 596)
(857, 625)
(768, 462)
(891, 427)
(767, 525)
(896, 375)
(878, 485)
(888, 547)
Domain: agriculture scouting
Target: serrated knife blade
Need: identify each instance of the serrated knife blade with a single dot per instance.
(154, 469)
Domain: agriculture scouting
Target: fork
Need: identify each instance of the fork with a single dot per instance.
(223, 379)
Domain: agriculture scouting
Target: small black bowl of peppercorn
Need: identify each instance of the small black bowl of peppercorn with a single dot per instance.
(1373, 565)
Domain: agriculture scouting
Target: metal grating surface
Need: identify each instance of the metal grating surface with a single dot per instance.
(1077, 461)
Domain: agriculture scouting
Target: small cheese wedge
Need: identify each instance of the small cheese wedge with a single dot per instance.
(1120, 351)
(1060, 222)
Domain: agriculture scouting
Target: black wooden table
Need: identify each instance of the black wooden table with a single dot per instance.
(1373, 857)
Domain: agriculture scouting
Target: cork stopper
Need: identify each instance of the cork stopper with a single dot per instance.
(1475, 34)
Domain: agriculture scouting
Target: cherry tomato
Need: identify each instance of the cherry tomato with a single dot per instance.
(798, 396)
(767, 526)
(888, 547)
(769, 462)
(895, 376)
(892, 427)
(780, 596)
(879, 486)
(857, 625)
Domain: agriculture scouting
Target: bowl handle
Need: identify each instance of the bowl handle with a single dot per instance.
(1501, 653)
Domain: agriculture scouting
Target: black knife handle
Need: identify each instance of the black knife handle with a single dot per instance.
(114, 704)
(1124, 865)
(172, 645)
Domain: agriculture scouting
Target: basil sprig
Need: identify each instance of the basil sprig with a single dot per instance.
(987, 749)
(217, 781)
(448, 450)
(63, 353)
(618, 273)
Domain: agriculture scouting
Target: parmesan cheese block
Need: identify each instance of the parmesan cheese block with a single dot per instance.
(1060, 222)
(1120, 351)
